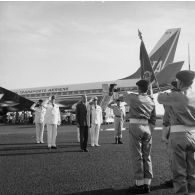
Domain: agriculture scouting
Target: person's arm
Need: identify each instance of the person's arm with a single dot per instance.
(89, 115)
(77, 115)
(173, 98)
(110, 104)
(33, 106)
(59, 117)
(101, 116)
(165, 134)
(152, 120)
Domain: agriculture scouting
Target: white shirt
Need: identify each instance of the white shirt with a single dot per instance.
(52, 115)
(39, 113)
(96, 115)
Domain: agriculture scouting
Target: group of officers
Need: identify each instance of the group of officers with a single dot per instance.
(178, 131)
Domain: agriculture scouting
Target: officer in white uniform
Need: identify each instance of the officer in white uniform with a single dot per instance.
(39, 120)
(96, 121)
(52, 119)
(182, 134)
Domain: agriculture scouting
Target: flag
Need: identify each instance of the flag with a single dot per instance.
(146, 67)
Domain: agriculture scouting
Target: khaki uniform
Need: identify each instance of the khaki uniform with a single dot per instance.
(142, 115)
(182, 138)
(119, 114)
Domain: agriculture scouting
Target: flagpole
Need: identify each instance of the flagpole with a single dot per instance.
(189, 56)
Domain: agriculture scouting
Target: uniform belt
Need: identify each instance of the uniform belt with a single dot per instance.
(118, 116)
(138, 121)
(182, 128)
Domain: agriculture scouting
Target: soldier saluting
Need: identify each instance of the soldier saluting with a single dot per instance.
(182, 135)
(142, 120)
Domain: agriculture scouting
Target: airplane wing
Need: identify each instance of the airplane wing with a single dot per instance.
(10, 101)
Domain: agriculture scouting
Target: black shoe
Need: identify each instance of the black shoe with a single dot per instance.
(136, 189)
(146, 189)
(53, 147)
(86, 150)
(119, 141)
(169, 183)
(116, 140)
(81, 150)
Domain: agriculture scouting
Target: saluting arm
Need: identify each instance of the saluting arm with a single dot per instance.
(173, 98)
(33, 106)
(110, 104)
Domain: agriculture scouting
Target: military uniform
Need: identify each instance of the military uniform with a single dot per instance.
(119, 116)
(39, 120)
(96, 121)
(182, 136)
(52, 119)
(142, 120)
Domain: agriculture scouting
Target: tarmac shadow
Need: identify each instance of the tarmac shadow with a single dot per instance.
(154, 190)
(104, 192)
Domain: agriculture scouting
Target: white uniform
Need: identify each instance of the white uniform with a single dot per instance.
(96, 121)
(52, 119)
(39, 121)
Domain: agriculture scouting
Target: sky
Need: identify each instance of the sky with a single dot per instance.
(66, 42)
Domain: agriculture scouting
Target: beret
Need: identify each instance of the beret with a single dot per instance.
(185, 76)
(142, 83)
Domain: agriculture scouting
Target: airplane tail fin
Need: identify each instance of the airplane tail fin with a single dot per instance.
(163, 53)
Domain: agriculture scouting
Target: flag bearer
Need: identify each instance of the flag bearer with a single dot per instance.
(142, 120)
(182, 135)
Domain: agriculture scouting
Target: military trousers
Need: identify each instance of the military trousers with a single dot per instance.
(140, 148)
(183, 162)
(94, 132)
(118, 125)
(51, 134)
(39, 132)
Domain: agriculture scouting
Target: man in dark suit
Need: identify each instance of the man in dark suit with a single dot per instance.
(83, 121)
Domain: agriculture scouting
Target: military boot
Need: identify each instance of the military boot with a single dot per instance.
(119, 141)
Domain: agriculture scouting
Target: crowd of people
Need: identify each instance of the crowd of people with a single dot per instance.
(178, 132)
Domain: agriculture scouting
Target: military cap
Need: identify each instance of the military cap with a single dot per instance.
(40, 101)
(142, 83)
(186, 76)
(95, 98)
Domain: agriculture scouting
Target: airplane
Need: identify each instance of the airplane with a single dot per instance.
(161, 58)
(11, 102)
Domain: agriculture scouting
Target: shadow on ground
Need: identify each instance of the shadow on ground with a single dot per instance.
(154, 190)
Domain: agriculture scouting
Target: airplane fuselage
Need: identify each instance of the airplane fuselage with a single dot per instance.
(67, 95)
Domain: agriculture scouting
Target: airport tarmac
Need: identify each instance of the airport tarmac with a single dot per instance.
(30, 168)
